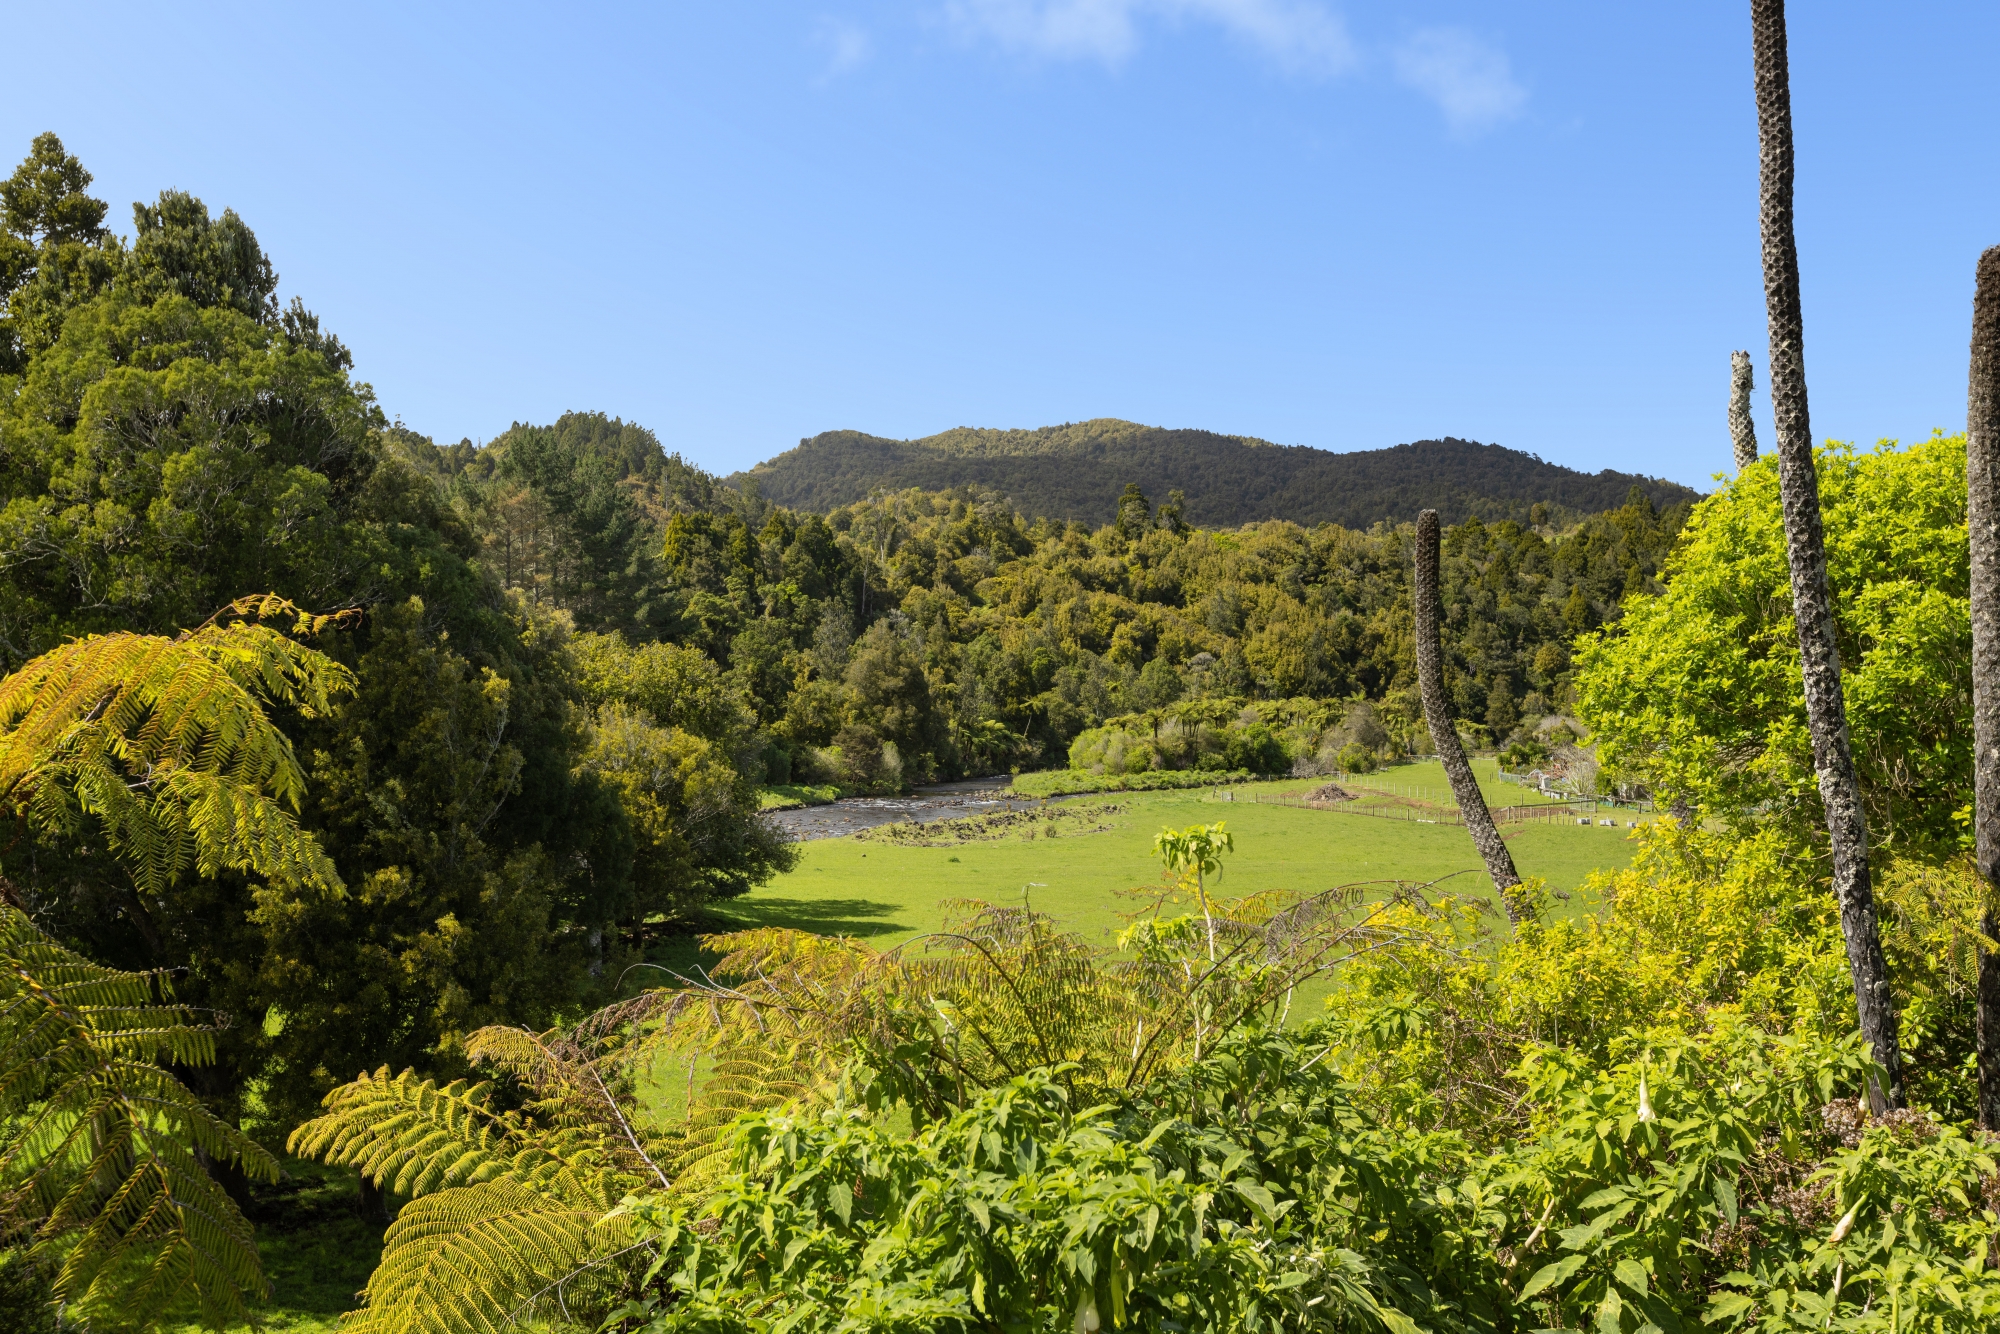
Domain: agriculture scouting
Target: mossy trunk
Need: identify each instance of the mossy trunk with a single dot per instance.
(1812, 594)
(1982, 516)
(1444, 737)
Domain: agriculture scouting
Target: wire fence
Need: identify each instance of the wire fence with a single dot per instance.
(1404, 806)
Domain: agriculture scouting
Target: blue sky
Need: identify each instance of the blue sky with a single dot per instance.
(1342, 225)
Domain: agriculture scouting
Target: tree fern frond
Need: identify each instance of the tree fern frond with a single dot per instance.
(414, 1136)
(163, 744)
(478, 1259)
(103, 1166)
(574, 1087)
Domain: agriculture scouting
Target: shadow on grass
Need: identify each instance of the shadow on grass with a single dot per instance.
(682, 952)
(825, 917)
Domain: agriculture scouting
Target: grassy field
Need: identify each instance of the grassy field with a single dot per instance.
(318, 1252)
(887, 894)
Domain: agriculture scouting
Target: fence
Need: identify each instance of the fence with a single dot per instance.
(1420, 811)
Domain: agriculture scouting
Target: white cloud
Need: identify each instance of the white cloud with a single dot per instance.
(1470, 81)
(1299, 35)
(846, 44)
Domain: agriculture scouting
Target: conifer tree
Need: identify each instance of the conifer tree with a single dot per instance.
(1812, 594)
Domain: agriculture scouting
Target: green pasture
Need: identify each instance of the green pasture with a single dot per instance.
(887, 894)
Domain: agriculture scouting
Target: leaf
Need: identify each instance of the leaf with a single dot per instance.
(1728, 1305)
(1551, 1274)
(1725, 1195)
(1260, 1199)
(1632, 1275)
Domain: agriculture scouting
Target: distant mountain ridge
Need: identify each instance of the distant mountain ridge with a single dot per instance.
(1076, 470)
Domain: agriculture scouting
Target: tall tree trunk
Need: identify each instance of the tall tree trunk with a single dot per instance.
(1742, 430)
(1812, 595)
(1982, 516)
(1444, 737)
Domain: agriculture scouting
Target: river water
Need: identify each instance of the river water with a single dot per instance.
(939, 801)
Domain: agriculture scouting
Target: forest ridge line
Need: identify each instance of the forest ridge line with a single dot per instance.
(1227, 480)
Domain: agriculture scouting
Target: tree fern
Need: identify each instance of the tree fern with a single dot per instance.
(162, 745)
(103, 1176)
(485, 1257)
(507, 1204)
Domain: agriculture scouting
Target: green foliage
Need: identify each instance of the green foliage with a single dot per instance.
(1262, 736)
(161, 746)
(913, 635)
(1194, 855)
(1696, 691)
(1075, 472)
(672, 736)
(55, 252)
(158, 750)
(216, 263)
(172, 440)
(102, 1167)
(503, 1205)
(1069, 782)
(782, 1018)
(490, 869)
(1021, 1212)
(161, 460)
(1717, 1180)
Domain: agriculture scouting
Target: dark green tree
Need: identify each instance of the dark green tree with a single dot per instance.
(216, 262)
(55, 252)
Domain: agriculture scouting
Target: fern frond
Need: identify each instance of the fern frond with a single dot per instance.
(574, 1086)
(163, 745)
(103, 1166)
(414, 1136)
(480, 1259)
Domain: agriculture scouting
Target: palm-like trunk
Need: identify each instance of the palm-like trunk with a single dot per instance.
(1982, 515)
(1812, 596)
(1430, 682)
(1742, 431)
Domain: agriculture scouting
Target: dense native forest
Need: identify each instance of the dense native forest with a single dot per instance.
(917, 635)
(350, 776)
(1228, 479)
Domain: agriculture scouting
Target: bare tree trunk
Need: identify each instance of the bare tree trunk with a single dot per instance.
(1430, 682)
(1742, 431)
(1982, 518)
(1805, 540)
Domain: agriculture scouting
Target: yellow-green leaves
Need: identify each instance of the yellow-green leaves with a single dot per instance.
(102, 1171)
(162, 747)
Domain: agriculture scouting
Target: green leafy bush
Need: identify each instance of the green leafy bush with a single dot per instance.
(1068, 782)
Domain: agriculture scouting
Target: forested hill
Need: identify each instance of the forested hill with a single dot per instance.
(1228, 480)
